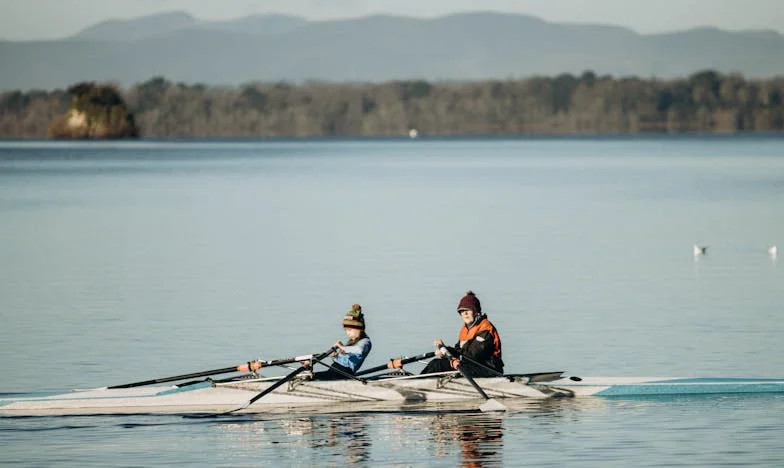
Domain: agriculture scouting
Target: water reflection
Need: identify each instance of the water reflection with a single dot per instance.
(479, 437)
(456, 435)
(350, 437)
(332, 440)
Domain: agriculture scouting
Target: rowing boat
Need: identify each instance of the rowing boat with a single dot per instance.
(305, 394)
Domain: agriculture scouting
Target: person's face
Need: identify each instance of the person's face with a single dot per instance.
(468, 316)
(352, 333)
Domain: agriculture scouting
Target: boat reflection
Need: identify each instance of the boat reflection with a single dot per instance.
(408, 436)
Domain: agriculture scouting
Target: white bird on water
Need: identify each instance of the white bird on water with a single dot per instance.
(699, 250)
(773, 251)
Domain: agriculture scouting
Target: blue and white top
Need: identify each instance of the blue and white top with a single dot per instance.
(354, 355)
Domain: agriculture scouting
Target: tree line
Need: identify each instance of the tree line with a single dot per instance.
(705, 102)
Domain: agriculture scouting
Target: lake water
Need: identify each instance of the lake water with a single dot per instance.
(126, 261)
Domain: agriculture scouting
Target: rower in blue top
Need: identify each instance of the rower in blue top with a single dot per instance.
(348, 357)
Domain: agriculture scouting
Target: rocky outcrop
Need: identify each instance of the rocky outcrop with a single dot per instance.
(95, 112)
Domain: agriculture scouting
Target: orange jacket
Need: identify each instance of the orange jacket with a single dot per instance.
(482, 343)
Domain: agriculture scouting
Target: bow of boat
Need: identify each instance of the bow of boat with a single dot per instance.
(652, 386)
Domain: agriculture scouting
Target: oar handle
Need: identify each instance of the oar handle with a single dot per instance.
(445, 351)
(256, 365)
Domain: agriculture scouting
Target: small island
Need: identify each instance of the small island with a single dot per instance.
(95, 112)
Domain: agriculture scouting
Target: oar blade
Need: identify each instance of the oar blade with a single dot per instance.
(492, 405)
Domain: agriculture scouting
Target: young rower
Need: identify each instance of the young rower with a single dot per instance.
(478, 348)
(349, 356)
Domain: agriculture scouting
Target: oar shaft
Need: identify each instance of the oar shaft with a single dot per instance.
(396, 363)
(279, 362)
(473, 382)
(224, 370)
(282, 381)
(465, 374)
(247, 367)
(483, 366)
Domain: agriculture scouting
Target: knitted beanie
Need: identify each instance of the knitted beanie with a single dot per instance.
(354, 318)
(470, 302)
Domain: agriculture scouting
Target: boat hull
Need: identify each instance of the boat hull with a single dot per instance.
(350, 395)
(209, 397)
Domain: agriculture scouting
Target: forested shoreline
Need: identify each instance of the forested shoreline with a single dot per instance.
(705, 102)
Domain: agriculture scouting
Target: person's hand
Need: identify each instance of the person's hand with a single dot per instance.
(340, 349)
(438, 344)
(307, 365)
(454, 363)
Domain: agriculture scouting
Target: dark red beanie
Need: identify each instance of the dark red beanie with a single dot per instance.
(470, 301)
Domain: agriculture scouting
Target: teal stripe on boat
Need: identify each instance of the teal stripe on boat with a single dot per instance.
(10, 398)
(187, 388)
(718, 380)
(77, 396)
(684, 388)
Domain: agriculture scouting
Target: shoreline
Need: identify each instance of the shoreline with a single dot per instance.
(609, 137)
(705, 103)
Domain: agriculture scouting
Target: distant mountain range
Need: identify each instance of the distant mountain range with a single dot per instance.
(165, 23)
(465, 46)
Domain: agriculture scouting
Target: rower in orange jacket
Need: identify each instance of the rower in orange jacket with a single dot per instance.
(478, 347)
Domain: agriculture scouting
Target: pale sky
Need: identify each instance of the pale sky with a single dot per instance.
(49, 19)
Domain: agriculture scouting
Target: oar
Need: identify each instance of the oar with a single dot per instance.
(479, 364)
(396, 363)
(282, 381)
(247, 367)
(490, 404)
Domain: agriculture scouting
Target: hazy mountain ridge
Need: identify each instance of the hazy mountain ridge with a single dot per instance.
(466, 46)
(137, 28)
(158, 25)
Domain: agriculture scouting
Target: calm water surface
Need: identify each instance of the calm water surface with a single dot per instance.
(122, 262)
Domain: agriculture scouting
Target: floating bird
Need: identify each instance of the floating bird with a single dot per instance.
(699, 250)
(773, 251)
